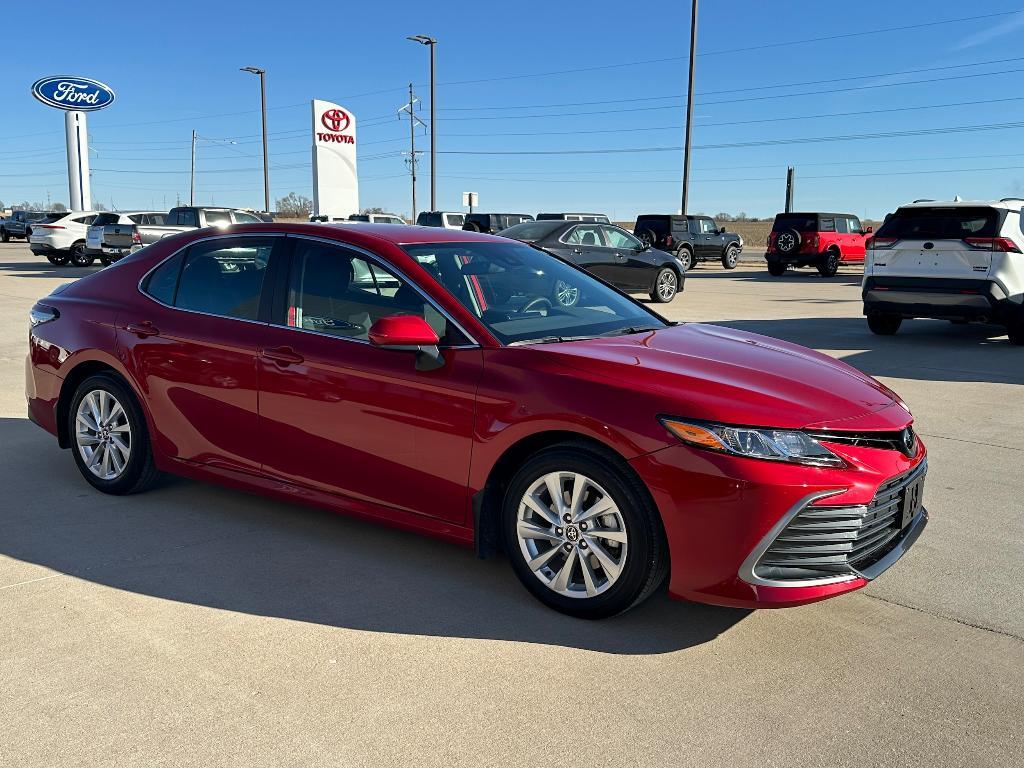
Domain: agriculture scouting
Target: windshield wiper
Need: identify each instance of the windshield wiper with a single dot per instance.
(549, 340)
(630, 330)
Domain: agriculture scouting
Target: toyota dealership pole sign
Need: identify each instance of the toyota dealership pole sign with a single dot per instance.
(335, 184)
(76, 96)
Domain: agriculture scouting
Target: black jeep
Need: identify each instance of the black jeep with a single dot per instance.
(691, 238)
(492, 223)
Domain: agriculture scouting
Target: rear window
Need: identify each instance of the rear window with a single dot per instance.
(532, 231)
(103, 219)
(657, 224)
(455, 219)
(801, 222)
(941, 223)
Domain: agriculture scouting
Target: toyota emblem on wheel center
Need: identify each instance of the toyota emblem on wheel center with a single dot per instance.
(335, 120)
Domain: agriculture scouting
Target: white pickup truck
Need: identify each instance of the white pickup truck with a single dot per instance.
(122, 239)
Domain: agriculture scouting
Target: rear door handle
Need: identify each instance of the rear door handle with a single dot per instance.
(143, 329)
(283, 356)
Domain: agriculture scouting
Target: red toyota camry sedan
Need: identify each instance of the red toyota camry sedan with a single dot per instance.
(429, 379)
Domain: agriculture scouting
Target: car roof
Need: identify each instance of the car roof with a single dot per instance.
(395, 234)
(1008, 203)
(815, 213)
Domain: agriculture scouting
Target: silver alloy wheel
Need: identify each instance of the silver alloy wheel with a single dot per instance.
(667, 284)
(565, 294)
(103, 434)
(572, 534)
(732, 255)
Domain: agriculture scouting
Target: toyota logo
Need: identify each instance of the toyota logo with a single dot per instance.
(908, 441)
(335, 120)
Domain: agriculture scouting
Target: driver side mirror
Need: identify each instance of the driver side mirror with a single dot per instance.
(869, 230)
(408, 333)
(721, 230)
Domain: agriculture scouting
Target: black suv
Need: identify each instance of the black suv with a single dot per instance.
(691, 238)
(492, 223)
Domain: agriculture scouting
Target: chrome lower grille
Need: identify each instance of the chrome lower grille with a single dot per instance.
(825, 542)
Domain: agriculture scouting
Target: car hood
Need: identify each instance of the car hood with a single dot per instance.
(718, 374)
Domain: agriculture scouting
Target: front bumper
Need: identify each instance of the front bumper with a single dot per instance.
(721, 514)
(957, 299)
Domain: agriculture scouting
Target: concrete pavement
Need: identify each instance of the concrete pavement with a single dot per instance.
(198, 625)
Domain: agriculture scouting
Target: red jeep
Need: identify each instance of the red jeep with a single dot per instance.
(824, 240)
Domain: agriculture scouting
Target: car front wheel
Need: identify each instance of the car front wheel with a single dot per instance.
(731, 257)
(80, 257)
(830, 265)
(109, 439)
(666, 285)
(581, 535)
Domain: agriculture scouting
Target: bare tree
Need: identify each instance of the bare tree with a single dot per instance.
(293, 204)
(375, 209)
(59, 207)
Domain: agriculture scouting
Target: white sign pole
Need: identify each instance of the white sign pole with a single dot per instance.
(77, 135)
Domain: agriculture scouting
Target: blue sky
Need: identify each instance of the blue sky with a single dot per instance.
(505, 88)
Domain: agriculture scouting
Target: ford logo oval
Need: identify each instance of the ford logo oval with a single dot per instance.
(73, 93)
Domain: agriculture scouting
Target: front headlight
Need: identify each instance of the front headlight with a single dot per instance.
(788, 445)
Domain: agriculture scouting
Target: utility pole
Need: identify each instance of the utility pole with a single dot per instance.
(431, 43)
(412, 161)
(790, 183)
(192, 190)
(689, 107)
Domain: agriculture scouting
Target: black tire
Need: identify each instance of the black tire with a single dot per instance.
(776, 268)
(829, 264)
(4, 236)
(648, 236)
(646, 559)
(79, 256)
(1015, 333)
(57, 259)
(685, 255)
(788, 241)
(882, 324)
(139, 472)
(105, 261)
(665, 287)
(472, 227)
(731, 257)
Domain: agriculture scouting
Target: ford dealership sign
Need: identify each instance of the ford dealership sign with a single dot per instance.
(73, 93)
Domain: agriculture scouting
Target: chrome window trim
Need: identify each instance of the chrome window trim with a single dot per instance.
(374, 259)
(577, 225)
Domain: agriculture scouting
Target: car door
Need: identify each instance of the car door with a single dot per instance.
(588, 249)
(342, 416)
(633, 266)
(855, 248)
(710, 242)
(191, 341)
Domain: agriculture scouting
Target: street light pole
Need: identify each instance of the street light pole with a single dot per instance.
(430, 41)
(263, 110)
(192, 188)
(689, 107)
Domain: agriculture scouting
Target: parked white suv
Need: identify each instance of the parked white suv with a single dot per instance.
(961, 261)
(446, 219)
(60, 237)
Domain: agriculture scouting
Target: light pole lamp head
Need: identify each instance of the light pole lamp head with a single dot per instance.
(254, 70)
(422, 39)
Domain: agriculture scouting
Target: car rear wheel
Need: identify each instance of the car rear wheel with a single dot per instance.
(581, 534)
(666, 285)
(4, 236)
(80, 257)
(884, 324)
(731, 257)
(685, 256)
(776, 268)
(830, 265)
(57, 259)
(109, 439)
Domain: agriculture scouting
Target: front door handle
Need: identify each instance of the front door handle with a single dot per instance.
(577, 251)
(283, 356)
(143, 329)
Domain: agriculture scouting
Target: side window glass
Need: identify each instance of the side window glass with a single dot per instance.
(586, 235)
(188, 219)
(225, 277)
(162, 281)
(245, 218)
(855, 226)
(842, 225)
(217, 218)
(828, 225)
(707, 227)
(618, 239)
(337, 292)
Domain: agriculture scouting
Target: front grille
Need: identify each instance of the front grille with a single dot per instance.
(826, 542)
(905, 440)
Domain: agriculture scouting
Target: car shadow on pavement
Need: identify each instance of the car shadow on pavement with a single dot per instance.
(929, 350)
(43, 268)
(210, 546)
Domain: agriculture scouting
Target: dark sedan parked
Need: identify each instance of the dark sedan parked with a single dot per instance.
(607, 251)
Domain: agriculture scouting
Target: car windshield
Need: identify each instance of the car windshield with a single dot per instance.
(532, 231)
(105, 218)
(801, 222)
(525, 295)
(953, 223)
